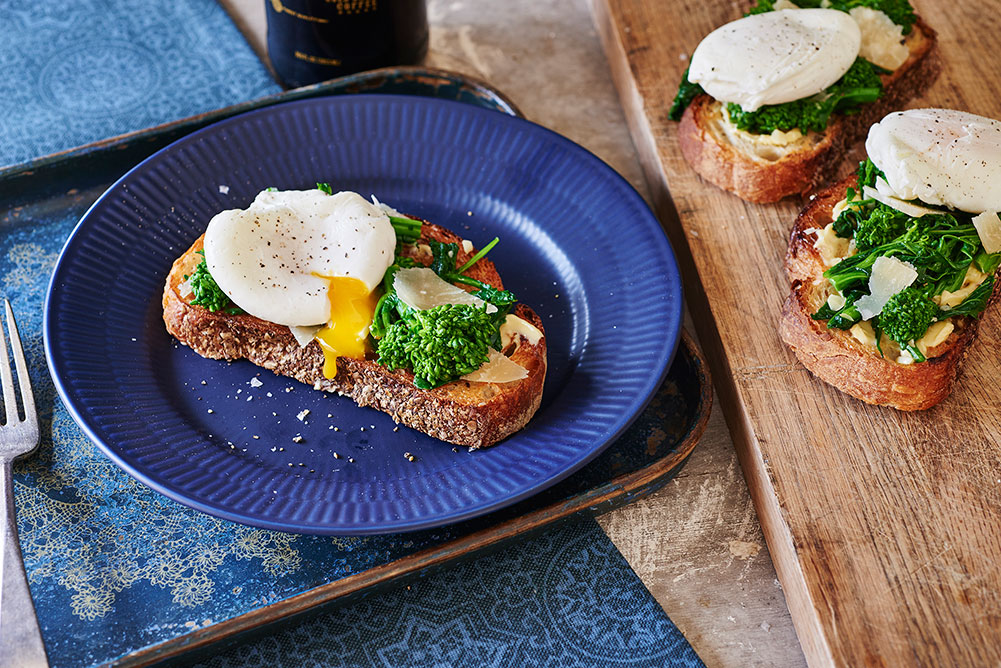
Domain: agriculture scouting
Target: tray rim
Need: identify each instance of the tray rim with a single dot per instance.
(627, 487)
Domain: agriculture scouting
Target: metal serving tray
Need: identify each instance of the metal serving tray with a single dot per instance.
(89, 617)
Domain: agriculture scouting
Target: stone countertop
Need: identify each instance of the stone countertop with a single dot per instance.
(696, 544)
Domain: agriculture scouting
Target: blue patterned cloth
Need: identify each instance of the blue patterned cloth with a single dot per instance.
(115, 567)
(565, 599)
(77, 72)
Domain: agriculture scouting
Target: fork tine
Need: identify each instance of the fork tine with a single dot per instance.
(7, 378)
(27, 398)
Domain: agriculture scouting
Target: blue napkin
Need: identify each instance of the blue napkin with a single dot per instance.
(114, 566)
(76, 72)
(566, 598)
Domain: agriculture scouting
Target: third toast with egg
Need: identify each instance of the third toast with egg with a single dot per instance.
(355, 298)
(891, 269)
(771, 102)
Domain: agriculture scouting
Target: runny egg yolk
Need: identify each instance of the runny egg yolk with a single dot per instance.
(352, 307)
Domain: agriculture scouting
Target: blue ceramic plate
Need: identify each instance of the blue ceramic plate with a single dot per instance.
(577, 243)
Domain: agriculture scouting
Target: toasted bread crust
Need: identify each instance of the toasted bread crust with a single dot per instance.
(473, 414)
(755, 179)
(835, 356)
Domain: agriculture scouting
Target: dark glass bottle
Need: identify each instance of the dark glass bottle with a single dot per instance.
(316, 40)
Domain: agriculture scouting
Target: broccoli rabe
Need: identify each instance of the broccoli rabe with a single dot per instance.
(206, 293)
(882, 226)
(941, 247)
(439, 344)
(859, 85)
(867, 172)
(686, 93)
(443, 343)
(906, 318)
(842, 318)
(975, 302)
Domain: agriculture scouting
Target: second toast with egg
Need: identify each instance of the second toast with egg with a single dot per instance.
(767, 168)
(468, 413)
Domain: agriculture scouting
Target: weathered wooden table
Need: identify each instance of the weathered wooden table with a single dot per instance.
(696, 544)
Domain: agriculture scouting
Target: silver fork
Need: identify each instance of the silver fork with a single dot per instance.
(20, 639)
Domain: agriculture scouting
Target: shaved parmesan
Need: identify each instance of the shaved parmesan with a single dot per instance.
(184, 289)
(889, 276)
(882, 39)
(903, 206)
(988, 226)
(304, 334)
(497, 369)
(422, 289)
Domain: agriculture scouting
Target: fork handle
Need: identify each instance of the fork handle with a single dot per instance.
(21, 643)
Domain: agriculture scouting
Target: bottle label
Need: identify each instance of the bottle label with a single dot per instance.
(354, 6)
(319, 60)
(282, 9)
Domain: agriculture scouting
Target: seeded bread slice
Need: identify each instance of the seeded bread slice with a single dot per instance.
(836, 356)
(764, 173)
(473, 414)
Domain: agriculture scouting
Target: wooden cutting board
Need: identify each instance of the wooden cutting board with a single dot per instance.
(885, 527)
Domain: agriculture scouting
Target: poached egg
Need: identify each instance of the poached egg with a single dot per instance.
(776, 57)
(303, 258)
(939, 156)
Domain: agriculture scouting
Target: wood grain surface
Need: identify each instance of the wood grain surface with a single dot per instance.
(884, 527)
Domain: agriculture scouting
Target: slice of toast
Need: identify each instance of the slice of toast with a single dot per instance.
(761, 172)
(473, 414)
(839, 358)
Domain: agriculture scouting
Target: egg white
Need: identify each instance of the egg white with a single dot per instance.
(776, 57)
(940, 156)
(271, 258)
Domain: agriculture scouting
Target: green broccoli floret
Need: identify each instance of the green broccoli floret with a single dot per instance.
(686, 93)
(808, 114)
(906, 317)
(882, 226)
(859, 85)
(207, 293)
(439, 344)
(445, 342)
